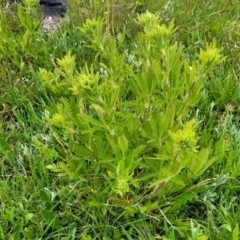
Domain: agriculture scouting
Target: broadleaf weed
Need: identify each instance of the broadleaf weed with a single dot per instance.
(158, 155)
(120, 127)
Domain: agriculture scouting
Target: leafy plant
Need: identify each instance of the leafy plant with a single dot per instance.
(132, 149)
(122, 128)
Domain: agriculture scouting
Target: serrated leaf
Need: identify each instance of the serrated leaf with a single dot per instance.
(123, 144)
(202, 162)
(114, 146)
(54, 168)
(91, 120)
(133, 155)
(121, 168)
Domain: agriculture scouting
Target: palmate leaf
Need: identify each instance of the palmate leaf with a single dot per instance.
(116, 60)
(171, 57)
(134, 87)
(152, 164)
(194, 91)
(26, 20)
(99, 145)
(67, 64)
(101, 113)
(123, 144)
(201, 163)
(133, 156)
(65, 115)
(114, 146)
(189, 74)
(115, 94)
(166, 173)
(132, 126)
(174, 77)
(212, 55)
(72, 106)
(79, 150)
(162, 122)
(154, 120)
(141, 85)
(105, 115)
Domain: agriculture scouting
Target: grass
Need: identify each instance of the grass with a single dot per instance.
(38, 204)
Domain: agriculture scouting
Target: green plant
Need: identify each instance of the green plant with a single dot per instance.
(121, 127)
(122, 196)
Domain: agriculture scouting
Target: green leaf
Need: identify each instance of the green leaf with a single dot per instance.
(51, 219)
(113, 145)
(227, 226)
(91, 120)
(28, 233)
(181, 200)
(123, 144)
(44, 196)
(112, 175)
(54, 168)
(18, 226)
(202, 162)
(133, 155)
(235, 233)
(6, 150)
